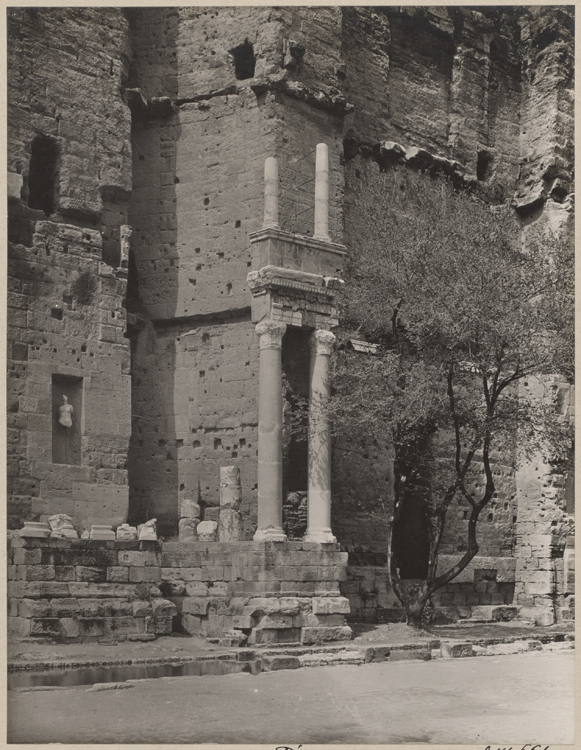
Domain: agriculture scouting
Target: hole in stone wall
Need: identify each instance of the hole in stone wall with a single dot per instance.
(205, 337)
(206, 201)
(484, 165)
(229, 289)
(217, 443)
(57, 313)
(196, 444)
(43, 174)
(244, 60)
(237, 225)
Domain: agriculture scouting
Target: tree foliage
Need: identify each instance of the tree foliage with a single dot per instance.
(464, 312)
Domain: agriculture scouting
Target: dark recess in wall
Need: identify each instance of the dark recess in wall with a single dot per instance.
(43, 174)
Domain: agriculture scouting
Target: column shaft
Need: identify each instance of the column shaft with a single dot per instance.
(319, 494)
(322, 193)
(270, 194)
(270, 433)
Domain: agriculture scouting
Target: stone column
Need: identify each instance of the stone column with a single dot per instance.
(322, 193)
(319, 498)
(270, 433)
(270, 194)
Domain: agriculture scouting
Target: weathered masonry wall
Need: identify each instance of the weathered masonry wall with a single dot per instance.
(66, 323)
(160, 119)
(200, 140)
(69, 177)
(86, 590)
(202, 418)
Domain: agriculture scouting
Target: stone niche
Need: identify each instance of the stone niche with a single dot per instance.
(66, 441)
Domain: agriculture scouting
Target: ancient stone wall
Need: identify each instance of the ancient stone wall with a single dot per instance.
(200, 140)
(69, 179)
(79, 590)
(161, 119)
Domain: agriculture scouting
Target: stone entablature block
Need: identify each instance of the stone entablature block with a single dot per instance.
(274, 247)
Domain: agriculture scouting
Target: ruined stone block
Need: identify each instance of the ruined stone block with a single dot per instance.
(118, 574)
(91, 574)
(64, 607)
(455, 650)
(36, 572)
(144, 575)
(65, 573)
(159, 625)
(187, 529)
(189, 509)
(191, 624)
(191, 574)
(69, 627)
(288, 635)
(330, 605)
(230, 488)
(275, 663)
(142, 609)
(27, 556)
(45, 626)
(131, 558)
(19, 626)
(91, 626)
(193, 605)
(315, 635)
(33, 608)
(197, 588)
(229, 525)
(207, 531)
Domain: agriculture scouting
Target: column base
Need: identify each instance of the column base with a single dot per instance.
(322, 536)
(270, 534)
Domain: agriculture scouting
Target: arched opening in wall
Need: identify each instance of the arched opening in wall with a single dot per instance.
(484, 166)
(43, 182)
(244, 60)
(410, 539)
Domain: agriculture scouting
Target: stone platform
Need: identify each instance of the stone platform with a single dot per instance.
(266, 592)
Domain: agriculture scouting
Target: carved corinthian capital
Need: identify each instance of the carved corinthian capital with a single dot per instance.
(323, 342)
(270, 334)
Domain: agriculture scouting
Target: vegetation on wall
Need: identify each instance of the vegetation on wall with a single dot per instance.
(464, 314)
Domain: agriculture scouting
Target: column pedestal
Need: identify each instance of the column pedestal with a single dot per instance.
(319, 495)
(270, 433)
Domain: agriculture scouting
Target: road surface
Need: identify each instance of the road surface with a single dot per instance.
(498, 701)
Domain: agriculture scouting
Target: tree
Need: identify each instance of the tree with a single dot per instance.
(463, 313)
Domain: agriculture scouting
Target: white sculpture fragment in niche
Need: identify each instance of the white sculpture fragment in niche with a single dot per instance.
(66, 413)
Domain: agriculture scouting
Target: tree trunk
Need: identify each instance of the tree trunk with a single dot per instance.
(414, 614)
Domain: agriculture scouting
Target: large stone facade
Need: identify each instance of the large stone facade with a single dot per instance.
(143, 260)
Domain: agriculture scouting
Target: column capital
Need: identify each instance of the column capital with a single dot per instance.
(323, 341)
(270, 334)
